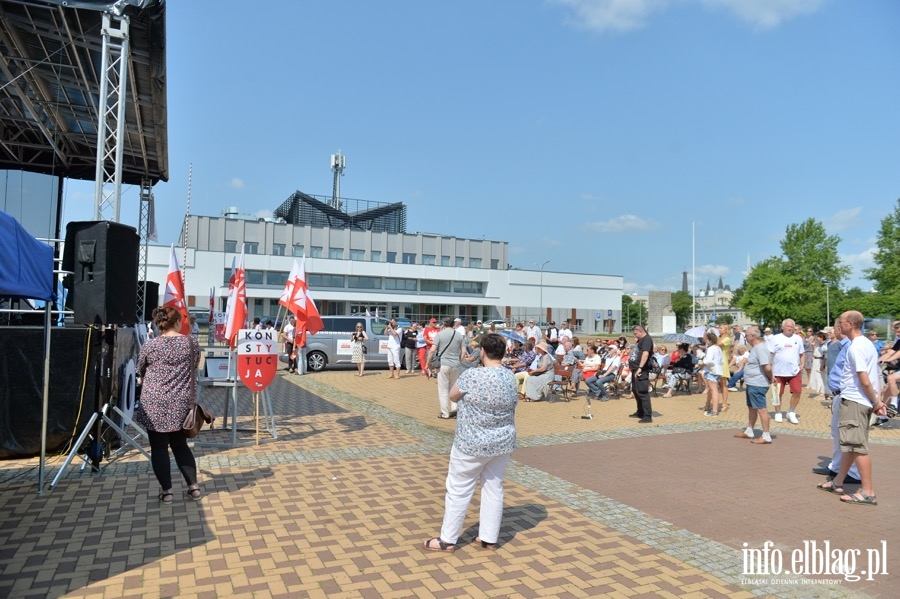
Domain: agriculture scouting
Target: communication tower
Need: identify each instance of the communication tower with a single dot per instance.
(337, 167)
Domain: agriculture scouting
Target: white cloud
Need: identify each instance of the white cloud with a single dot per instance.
(766, 14)
(236, 183)
(712, 270)
(623, 224)
(627, 15)
(842, 220)
(861, 261)
(610, 15)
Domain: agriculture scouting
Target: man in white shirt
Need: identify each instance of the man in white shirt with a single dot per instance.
(860, 384)
(288, 335)
(533, 333)
(565, 331)
(787, 350)
(458, 327)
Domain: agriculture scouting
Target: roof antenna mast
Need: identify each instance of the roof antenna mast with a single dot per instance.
(337, 167)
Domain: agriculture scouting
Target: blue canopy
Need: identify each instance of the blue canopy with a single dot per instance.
(26, 264)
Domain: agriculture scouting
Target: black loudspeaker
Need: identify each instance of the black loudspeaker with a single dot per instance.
(103, 256)
(151, 299)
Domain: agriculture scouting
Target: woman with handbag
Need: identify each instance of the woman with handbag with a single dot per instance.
(165, 370)
(358, 340)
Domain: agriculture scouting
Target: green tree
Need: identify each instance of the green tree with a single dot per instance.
(794, 285)
(886, 273)
(633, 312)
(682, 305)
(810, 255)
(725, 319)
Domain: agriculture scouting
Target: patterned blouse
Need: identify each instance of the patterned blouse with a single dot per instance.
(167, 365)
(485, 421)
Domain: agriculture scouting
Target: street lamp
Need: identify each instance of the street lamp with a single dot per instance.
(541, 314)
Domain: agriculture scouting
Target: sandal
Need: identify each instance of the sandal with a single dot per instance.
(831, 488)
(166, 497)
(485, 544)
(442, 546)
(859, 498)
(194, 493)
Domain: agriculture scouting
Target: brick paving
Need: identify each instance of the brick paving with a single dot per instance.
(338, 504)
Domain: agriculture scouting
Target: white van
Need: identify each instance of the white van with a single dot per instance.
(332, 345)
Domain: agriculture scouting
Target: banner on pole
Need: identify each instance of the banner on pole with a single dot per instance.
(257, 359)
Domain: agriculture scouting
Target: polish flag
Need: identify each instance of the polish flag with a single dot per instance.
(288, 292)
(309, 321)
(174, 295)
(236, 310)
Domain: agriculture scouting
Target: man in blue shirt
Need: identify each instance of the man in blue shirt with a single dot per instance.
(834, 385)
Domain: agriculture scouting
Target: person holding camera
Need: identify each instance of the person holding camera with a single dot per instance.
(394, 339)
(358, 340)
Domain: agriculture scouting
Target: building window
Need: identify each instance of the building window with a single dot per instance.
(375, 256)
(400, 284)
(227, 278)
(276, 277)
(230, 246)
(251, 247)
(445, 260)
(460, 262)
(354, 282)
(359, 255)
(317, 280)
(254, 277)
(315, 252)
(431, 286)
(495, 264)
(392, 257)
(474, 262)
(409, 258)
(278, 249)
(298, 250)
(473, 287)
(428, 259)
(336, 253)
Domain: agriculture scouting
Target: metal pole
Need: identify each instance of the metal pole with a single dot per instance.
(542, 315)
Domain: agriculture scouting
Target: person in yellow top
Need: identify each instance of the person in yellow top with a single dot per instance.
(726, 342)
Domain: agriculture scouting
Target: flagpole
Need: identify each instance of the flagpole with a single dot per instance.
(693, 275)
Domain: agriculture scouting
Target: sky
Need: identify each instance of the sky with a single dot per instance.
(593, 134)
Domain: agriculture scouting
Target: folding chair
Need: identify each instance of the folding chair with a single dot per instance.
(655, 375)
(562, 376)
(617, 383)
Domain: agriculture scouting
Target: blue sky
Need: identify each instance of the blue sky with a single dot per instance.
(590, 133)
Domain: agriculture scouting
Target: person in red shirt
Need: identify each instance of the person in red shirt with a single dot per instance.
(429, 334)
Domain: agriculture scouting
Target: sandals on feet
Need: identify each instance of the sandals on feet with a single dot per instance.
(441, 546)
(166, 497)
(831, 487)
(194, 494)
(859, 498)
(484, 544)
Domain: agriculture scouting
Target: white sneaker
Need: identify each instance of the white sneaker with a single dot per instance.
(779, 417)
(732, 388)
(792, 418)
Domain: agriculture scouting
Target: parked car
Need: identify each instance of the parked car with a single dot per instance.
(498, 324)
(331, 345)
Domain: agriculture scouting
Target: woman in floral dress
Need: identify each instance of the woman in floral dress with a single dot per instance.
(165, 370)
(485, 438)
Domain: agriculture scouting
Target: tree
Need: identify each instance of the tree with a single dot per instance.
(633, 312)
(886, 273)
(794, 285)
(725, 319)
(811, 254)
(682, 306)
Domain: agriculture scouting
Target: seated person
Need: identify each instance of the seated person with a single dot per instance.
(661, 353)
(682, 369)
(737, 365)
(524, 360)
(565, 354)
(598, 381)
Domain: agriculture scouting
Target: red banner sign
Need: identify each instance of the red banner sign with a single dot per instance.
(257, 359)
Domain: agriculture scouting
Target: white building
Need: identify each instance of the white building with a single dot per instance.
(407, 275)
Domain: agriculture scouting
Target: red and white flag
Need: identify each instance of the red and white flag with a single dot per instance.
(212, 305)
(288, 292)
(174, 294)
(309, 322)
(236, 310)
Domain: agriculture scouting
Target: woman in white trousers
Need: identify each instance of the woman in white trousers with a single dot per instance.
(485, 439)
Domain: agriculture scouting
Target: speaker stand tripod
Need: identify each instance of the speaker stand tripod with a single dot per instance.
(92, 458)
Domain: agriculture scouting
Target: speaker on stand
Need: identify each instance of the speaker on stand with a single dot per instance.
(103, 257)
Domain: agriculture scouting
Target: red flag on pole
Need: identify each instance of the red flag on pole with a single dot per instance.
(236, 311)
(174, 295)
(288, 292)
(309, 322)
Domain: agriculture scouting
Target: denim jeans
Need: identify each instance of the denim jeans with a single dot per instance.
(596, 385)
(733, 381)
